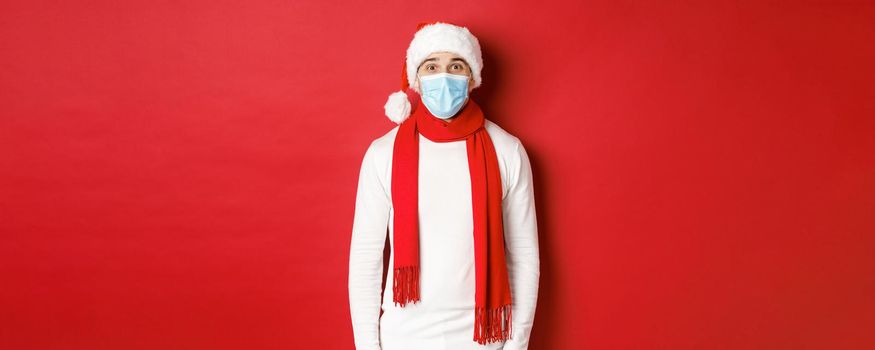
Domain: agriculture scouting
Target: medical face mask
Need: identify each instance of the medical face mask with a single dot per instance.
(443, 93)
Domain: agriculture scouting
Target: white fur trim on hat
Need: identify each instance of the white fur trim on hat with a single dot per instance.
(439, 37)
(397, 107)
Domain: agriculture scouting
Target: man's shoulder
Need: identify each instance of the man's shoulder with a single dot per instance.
(382, 146)
(502, 139)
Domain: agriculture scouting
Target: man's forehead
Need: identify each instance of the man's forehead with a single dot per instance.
(452, 59)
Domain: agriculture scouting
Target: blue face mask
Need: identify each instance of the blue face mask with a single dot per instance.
(443, 93)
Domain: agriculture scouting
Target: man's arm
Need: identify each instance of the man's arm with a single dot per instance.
(366, 255)
(521, 240)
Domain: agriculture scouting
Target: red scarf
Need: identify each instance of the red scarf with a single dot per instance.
(492, 295)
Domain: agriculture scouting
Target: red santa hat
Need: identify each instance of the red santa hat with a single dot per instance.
(433, 37)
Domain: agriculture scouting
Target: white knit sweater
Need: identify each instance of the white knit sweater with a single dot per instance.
(444, 317)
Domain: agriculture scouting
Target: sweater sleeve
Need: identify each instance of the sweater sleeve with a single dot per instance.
(369, 233)
(521, 240)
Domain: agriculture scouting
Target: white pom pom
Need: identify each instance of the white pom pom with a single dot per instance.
(397, 107)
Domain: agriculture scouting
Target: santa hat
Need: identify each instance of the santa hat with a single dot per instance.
(432, 37)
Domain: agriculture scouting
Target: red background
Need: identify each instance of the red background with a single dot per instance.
(181, 175)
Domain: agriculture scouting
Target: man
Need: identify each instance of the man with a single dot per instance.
(459, 207)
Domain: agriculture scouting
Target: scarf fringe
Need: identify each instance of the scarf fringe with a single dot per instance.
(405, 285)
(493, 325)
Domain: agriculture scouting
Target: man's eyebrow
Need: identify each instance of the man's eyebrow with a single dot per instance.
(451, 60)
